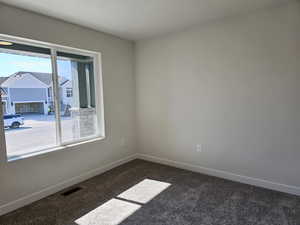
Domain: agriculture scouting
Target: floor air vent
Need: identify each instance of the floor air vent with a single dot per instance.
(71, 191)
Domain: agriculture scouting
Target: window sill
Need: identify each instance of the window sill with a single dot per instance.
(49, 150)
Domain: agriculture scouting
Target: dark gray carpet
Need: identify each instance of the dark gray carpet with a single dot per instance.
(190, 199)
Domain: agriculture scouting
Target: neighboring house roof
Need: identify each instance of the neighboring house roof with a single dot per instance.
(2, 79)
(3, 91)
(63, 82)
(45, 78)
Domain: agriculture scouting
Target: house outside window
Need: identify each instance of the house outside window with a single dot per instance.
(59, 107)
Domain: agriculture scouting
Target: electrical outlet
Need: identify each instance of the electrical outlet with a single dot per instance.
(199, 148)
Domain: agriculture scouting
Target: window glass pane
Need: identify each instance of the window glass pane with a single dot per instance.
(27, 100)
(77, 97)
(28, 103)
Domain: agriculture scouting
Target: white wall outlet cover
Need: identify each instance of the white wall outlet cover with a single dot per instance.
(199, 148)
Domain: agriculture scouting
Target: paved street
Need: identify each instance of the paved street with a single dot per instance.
(37, 132)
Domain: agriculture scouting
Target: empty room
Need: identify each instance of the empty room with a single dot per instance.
(158, 112)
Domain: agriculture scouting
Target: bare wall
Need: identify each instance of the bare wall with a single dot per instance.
(24, 177)
(231, 86)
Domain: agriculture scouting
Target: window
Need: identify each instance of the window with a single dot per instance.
(53, 96)
(69, 92)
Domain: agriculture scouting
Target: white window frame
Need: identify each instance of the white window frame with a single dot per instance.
(99, 107)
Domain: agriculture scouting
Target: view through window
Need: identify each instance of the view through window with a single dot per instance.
(48, 98)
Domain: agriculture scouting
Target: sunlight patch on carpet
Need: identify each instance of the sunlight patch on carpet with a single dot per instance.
(144, 191)
(112, 212)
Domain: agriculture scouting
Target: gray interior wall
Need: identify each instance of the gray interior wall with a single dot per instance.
(23, 177)
(231, 86)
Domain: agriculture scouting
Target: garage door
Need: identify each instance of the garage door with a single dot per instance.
(34, 107)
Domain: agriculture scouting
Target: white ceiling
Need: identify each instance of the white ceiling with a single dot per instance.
(140, 19)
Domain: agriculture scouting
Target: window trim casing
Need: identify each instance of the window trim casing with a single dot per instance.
(99, 107)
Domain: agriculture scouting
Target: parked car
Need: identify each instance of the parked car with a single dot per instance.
(13, 121)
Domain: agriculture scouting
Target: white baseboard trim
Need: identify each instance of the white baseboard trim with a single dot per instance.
(224, 174)
(11, 206)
